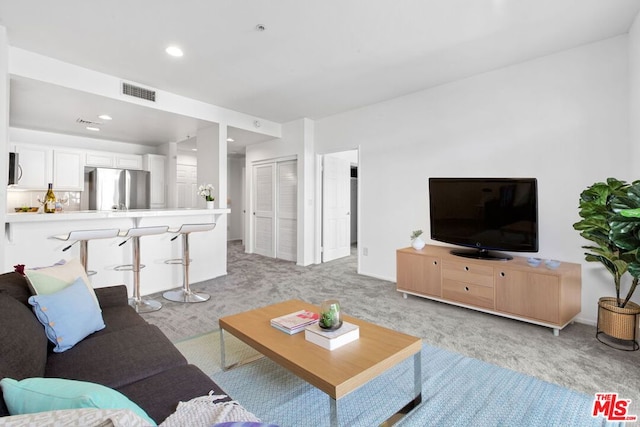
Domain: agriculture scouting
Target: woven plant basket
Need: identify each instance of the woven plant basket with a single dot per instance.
(617, 322)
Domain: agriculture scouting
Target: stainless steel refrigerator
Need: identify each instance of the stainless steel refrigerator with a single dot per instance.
(115, 189)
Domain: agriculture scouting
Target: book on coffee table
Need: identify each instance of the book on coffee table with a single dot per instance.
(331, 340)
(295, 322)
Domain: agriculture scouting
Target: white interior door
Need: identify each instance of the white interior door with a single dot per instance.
(244, 207)
(336, 206)
(187, 186)
(263, 209)
(287, 211)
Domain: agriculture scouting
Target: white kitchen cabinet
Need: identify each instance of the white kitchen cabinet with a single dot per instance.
(68, 170)
(128, 161)
(99, 159)
(35, 163)
(42, 164)
(155, 164)
(106, 159)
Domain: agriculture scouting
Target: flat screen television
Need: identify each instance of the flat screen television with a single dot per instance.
(486, 214)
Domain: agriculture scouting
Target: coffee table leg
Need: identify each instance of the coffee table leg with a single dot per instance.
(223, 358)
(417, 377)
(222, 355)
(334, 412)
(417, 390)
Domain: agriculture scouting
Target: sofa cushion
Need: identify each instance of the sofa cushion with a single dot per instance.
(23, 344)
(117, 358)
(112, 296)
(52, 279)
(68, 316)
(15, 285)
(49, 394)
(119, 318)
(186, 381)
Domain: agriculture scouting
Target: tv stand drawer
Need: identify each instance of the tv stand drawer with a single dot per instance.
(468, 293)
(468, 272)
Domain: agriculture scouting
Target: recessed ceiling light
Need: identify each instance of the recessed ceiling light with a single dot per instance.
(105, 117)
(231, 140)
(194, 149)
(93, 128)
(174, 51)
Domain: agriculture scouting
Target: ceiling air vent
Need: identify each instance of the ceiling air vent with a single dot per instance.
(87, 122)
(138, 92)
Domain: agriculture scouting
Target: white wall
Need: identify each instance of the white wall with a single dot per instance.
(634, 90)
(562, 118)
(234, 186)
(4, 128)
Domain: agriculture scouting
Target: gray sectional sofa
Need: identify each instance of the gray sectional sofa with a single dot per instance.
(128, 355)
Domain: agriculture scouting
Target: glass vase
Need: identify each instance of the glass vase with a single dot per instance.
(330, 315)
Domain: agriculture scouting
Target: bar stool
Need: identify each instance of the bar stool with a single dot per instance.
(186, 294)
(83, 236)
(141, 305)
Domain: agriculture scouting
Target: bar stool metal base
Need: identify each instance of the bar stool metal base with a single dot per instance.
(143, 305)
(185, 294)
(181, 295)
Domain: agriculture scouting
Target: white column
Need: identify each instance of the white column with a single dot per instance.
(4, 131)
(209, 161)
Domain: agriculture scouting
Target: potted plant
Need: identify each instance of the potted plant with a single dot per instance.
(206, 191)
(610, 213)
(416, 240)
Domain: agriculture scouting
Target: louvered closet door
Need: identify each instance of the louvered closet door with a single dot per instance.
(264, 206)
(286, 211)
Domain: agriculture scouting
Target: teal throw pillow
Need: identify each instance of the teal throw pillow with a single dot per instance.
(50, 394)
(68, 316)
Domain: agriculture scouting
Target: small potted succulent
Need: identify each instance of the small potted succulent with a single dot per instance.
(416, 240)
(330, 316)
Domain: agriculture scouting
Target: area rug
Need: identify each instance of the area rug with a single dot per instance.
(456, 391)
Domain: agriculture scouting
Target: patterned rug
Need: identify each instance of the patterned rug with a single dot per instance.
(457, 391)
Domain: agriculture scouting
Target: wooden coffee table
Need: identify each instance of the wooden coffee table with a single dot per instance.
(337, 372)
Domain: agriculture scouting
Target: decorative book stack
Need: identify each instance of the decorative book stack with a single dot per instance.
(295, 322)
(331, 340)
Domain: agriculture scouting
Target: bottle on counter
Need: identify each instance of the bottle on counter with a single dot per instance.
(50, 200)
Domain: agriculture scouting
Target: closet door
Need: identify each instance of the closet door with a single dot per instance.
(287, 210)
(264, 206)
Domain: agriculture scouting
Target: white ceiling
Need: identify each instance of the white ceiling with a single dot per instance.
(313, 60)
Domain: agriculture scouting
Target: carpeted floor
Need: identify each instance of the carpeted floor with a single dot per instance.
(575, 359)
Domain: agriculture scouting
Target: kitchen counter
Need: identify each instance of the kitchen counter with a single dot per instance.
(29, 240)
(132, 213)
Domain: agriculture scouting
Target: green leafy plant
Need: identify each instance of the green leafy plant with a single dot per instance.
(610, 213)
(329, 315)
(415, 234)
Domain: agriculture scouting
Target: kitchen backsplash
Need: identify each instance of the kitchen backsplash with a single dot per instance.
(70, 200)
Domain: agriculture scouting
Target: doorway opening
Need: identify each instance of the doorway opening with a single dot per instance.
(340, 201)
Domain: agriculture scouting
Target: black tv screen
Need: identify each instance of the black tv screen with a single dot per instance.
(486, 214)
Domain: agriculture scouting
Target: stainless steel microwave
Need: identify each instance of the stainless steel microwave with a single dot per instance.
(15, 171)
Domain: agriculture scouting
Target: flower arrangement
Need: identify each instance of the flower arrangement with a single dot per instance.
(206, 191)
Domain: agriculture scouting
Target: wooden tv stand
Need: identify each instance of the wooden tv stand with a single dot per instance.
(513, 289)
